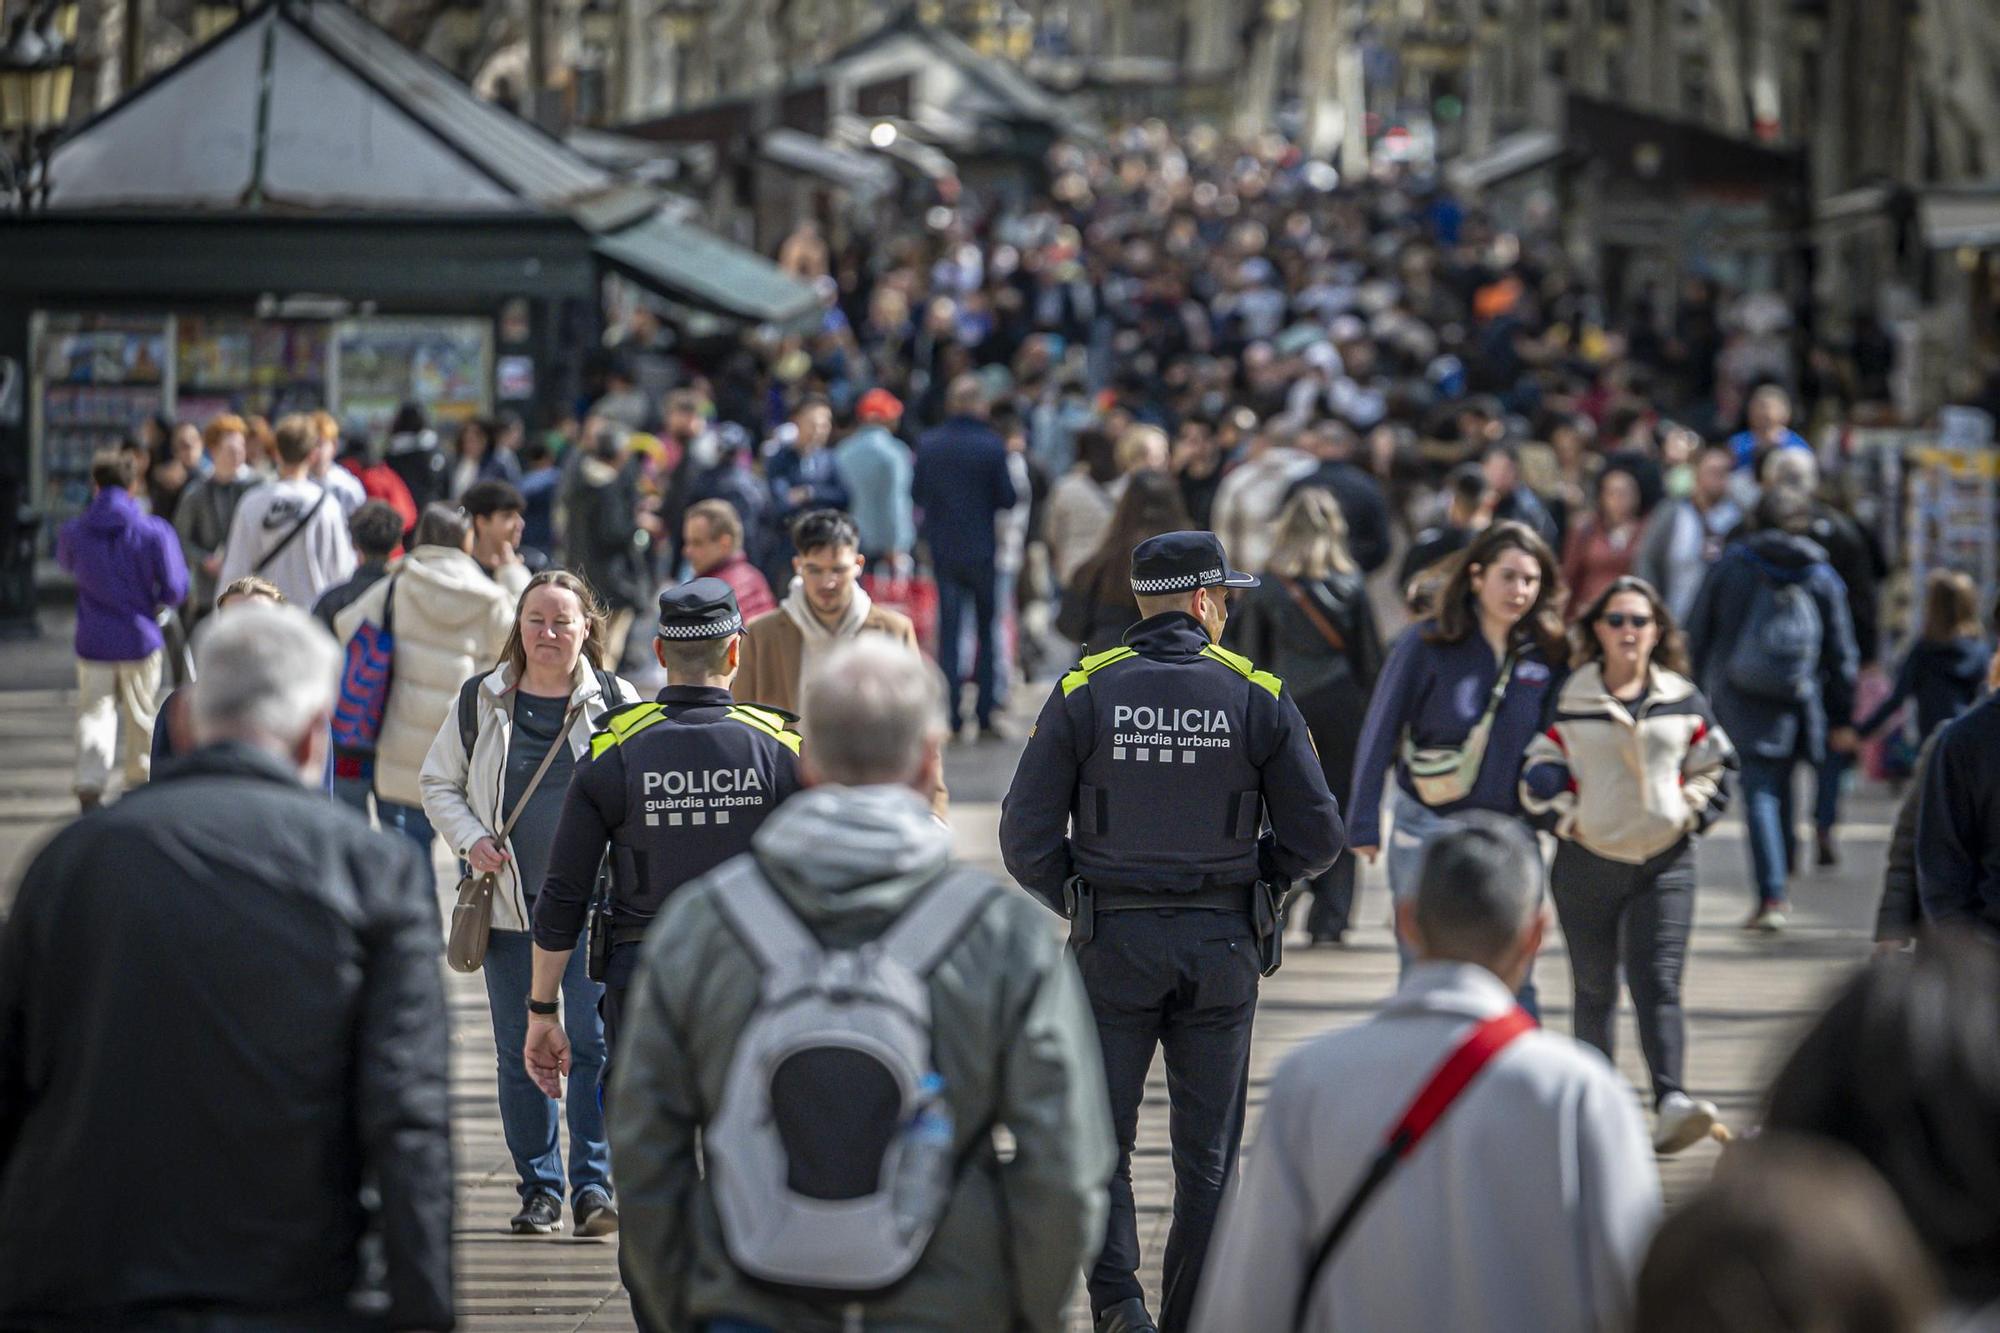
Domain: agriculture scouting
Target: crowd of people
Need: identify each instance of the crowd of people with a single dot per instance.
(1512, 570)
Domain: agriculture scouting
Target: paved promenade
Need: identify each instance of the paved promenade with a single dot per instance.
(1745, 995)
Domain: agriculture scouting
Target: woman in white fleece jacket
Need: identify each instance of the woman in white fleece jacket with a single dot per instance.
(1632, 769)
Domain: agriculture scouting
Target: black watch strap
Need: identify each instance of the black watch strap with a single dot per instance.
(544, 1006)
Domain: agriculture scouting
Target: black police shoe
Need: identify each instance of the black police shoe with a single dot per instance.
(1128, 1316)
(541, 1215)
(596, 1215)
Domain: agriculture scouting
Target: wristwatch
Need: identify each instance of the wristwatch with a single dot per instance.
(548, 1007)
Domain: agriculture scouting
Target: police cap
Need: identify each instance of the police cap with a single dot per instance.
(1181, 562)
(699, 609)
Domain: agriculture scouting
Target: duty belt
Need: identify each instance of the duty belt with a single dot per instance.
(1228, 899)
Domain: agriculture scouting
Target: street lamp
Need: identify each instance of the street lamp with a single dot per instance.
(37, 74)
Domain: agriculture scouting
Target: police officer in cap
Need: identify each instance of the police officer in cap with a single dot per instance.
(1168, 798)
(675, 787)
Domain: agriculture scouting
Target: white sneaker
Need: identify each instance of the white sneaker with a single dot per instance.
(1770, 920)
(1681, 1122)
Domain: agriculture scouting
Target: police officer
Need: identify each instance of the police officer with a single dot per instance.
(1168, 797)
(675, 786)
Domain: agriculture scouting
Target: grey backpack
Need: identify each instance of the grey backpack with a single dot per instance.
(831, 1154)
(1776, 654)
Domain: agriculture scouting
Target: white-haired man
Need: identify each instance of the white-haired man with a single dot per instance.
(855, 860)
(221, 1023)
(1530, 1202)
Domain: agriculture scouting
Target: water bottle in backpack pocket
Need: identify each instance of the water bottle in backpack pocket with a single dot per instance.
(832, 1154)
(1776, 654)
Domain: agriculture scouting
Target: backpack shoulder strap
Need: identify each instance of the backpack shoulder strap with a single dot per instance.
(468, 711)
(761, 918)
(931, 925)
(607, 688)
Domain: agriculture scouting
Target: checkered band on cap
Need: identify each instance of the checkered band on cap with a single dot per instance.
(707, 629)
(1178, 582)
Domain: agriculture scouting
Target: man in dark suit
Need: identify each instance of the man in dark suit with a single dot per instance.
(962, 486)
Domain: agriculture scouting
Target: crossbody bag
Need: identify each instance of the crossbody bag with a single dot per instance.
(291, 536)
(1443, 774)
(1310, 605)
(1486, 1040)
(472, 915)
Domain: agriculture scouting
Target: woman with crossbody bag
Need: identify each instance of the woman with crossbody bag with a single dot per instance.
(497, 804)
(1459, 699)
(1310, 623)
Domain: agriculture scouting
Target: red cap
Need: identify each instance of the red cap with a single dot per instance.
(878, 405)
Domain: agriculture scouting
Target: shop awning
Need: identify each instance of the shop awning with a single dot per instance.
(684, 263)
(1961, 216)
(1515, 155)
(839, 165)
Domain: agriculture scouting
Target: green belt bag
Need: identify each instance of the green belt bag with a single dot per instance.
(1443, 774)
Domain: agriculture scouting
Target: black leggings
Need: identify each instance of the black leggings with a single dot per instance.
(1640, 914)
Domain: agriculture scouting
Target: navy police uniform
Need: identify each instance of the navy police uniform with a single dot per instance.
(674, 787)
(1166, 788)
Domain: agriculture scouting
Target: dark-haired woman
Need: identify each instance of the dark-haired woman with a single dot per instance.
(1459, 699)
(1098, 606)
(1633, 768)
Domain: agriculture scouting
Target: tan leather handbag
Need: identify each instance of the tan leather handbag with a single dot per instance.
(472, 916)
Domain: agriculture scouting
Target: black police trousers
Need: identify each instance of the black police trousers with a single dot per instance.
(618, 971)
(1185, 980)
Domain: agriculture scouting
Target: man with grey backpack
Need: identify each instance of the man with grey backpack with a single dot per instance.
(823, 1036)
(1773, 647)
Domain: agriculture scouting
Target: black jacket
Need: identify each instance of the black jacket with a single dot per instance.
(1958, 823)
(1331, 685)
(221, 1020)
(1155, 767)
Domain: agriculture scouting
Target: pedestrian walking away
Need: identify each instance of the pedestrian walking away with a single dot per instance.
(290, 530)
(1631, 771)
(1167, 799)
(671, 788)
(1772, 646)
(223, 1037)
(1530, 1193)
(920, 1004)
(450, 620)
(551, 670)
(128, 568)
(1458, 701)
(962, 484)
(1311, 622)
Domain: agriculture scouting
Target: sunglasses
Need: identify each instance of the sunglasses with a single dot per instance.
(1620, 619)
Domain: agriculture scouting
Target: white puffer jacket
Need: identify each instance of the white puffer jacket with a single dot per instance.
(463, 793)
(451, 620)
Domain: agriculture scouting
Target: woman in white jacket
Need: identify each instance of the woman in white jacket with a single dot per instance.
(1632, 771)
(550, 671)
(450, 619)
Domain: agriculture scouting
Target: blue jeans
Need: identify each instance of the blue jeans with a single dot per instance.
(353, 793)
(528, 1118)
(1003, 613)
(1767, 808)
(1416, 825)
(961, 591)
(408, 820)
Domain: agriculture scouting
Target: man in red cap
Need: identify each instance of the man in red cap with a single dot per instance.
(874, 466)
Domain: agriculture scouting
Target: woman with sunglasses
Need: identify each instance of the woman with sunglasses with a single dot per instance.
(1632, 770)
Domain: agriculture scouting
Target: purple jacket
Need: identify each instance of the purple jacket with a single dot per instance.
(127, 566)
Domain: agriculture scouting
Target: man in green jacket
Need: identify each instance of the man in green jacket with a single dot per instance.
(1012, 1042)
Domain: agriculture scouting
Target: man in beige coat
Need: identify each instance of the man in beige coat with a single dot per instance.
(825, 606)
